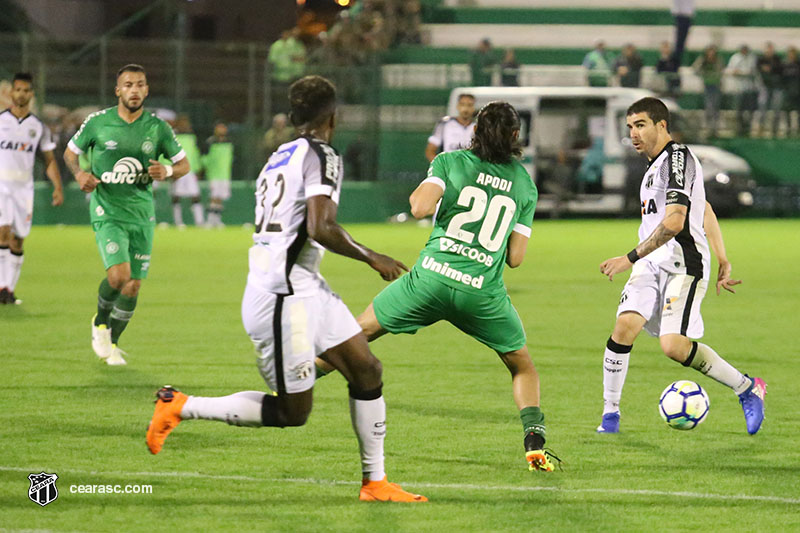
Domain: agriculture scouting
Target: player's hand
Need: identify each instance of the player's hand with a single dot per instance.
(615, 265)
(724, 280)
(388, 268)
(157, 171)
(58, 196)
(87, 181)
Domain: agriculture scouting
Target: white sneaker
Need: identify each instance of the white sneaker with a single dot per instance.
(101, 340)
(116, 358)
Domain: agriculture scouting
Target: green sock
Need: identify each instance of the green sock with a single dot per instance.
(533, 423)
(106, 296)
(121, 315)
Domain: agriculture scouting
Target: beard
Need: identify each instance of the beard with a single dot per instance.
(131, 107)
(20, 102)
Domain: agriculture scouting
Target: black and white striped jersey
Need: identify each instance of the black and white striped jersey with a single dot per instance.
(676, 177)
(284, 259)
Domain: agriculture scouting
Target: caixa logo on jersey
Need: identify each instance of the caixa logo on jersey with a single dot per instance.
(126, 170)
(43, 488)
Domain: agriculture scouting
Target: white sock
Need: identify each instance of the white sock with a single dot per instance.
(177, 214)
(706, 361)
(240, 409)
(13, 266)
(615, 368)
(197, 213)
(213, 218)
(369, 423)
(5, 253)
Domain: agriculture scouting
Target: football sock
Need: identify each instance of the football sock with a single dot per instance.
(121, 315)
(706, 361)
(177, 214)
(368, 415)
(106, 296)
(240, 409)
(5, 254)
(533, 424)
(13, 266)
(197, 213)
(615, 368)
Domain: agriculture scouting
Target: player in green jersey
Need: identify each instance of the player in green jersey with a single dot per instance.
(125, 143)
(482, 224)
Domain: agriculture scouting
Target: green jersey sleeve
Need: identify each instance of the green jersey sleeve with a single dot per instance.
(168, 144)
(84, 138)
(525, 220)
(437, 171)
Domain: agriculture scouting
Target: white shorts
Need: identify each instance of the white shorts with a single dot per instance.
(185, 186)
(16, 208)
(669, 302)
(287, 345)
(220, 189)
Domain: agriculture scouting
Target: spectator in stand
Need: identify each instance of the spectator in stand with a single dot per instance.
(408, 23)
(667, 69)
(509, 70)
(482, 63)
(683, 11)
(287, 59)
(279, 133)
(628, 66)
(742, 69)
(598, 63)
(770, 92)
(709, 67)
(791, 90)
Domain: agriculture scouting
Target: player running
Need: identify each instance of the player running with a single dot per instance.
(21, 132)
(289, 311)
(671, 268)
(483, 222)
(125, 143)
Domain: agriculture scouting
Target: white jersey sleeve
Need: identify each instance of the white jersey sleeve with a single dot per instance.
(437, 137)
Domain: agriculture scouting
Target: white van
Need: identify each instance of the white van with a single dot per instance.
(577, 149)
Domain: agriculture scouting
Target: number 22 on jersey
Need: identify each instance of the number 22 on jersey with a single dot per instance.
(493, 229)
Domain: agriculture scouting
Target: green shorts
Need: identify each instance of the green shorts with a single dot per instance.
(119, 243)
(413, 302)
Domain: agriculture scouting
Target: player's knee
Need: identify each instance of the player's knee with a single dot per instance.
(626, 330)
(131, 287)
(118, 278)
(296, 417)
(5, 235)
(15, 244)
(676, 347)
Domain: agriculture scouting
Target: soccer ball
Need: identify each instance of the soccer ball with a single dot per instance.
(683, 405)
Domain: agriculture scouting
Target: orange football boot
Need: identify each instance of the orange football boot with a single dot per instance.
(166, 417)
(383, 491)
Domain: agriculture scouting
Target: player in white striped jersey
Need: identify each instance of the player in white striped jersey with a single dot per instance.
(670, 270)
(453, 133)
(21, 132)
(289, 311)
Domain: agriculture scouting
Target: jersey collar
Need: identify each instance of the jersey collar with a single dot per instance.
(666, 146)
(19, 120)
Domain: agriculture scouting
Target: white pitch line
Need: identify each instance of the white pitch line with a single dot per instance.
(454, 486)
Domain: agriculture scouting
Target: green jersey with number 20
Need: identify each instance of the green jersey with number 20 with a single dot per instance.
(120, 155)
(482, 204)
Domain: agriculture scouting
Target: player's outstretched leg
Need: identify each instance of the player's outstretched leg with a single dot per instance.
(701, 357)
(368, 414)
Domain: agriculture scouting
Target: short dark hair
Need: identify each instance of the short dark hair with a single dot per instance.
(131, 67)
(465, 95)
(312, 100)
(23, 76)
(494, 139)
(655, 109)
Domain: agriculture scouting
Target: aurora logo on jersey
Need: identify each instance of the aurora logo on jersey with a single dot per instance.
(18, 146)
(449, 245)
(429, 263)
(126, 170)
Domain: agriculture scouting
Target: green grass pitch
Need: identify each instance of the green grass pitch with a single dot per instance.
(453, 430)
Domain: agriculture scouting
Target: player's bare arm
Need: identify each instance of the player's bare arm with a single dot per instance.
(431, 151)
(424, 199)
(86, 180)
(323, 228)
(54, 175)
(517, 246)
(674, 220)
(714, 235)
(160, 172)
